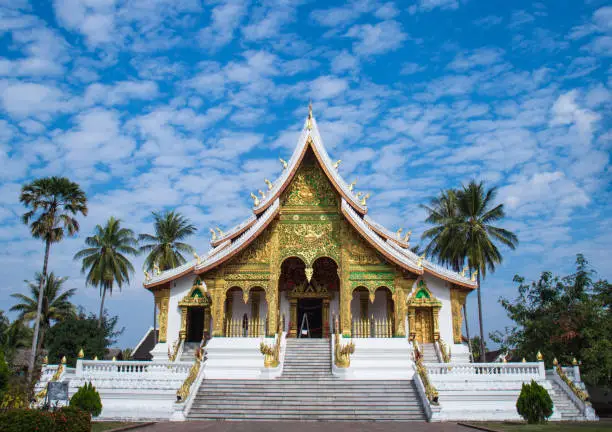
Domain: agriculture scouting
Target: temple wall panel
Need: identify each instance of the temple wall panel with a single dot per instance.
(441, 290)
(178, 289)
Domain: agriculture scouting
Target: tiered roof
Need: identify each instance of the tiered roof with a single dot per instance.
(391, 245)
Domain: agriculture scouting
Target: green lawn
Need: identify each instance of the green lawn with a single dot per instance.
(105, 426)
(549, 427)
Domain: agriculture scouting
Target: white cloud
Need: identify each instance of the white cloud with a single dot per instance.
(326, 87)
(225, 19)
(410, 68)
(343, 62)
(429, 5)
(476, 58)
(22, 99)
(93, 18)
(377, 39)
(566, 111)
(120, 92)
(542, 193)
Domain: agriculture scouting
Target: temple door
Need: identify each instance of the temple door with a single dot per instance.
(424, 325)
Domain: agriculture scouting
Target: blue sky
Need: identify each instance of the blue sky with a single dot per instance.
(153, 104)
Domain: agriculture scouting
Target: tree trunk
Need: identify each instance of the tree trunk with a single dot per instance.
(482, 343)
(102, 307)
(41, 294)
(467, 330)
(154, 321)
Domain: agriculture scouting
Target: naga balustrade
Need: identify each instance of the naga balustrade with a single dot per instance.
(372, 328)
(504, 371)
(245, 327)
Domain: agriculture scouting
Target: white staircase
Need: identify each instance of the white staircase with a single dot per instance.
(562, 404)
(430, 355)
(307, 390)
(189, 350)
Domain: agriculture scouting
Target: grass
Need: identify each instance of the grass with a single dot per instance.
(106, 426)
(549, 427)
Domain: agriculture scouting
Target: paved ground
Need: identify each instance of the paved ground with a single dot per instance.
(212, 426)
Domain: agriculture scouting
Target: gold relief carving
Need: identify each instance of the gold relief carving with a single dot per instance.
(423, 314)
(162, 299)
(358, 251)
(218, 306)
(310, 188)
(257, 252)
(458, 297)
(309, 241)
(346, 293)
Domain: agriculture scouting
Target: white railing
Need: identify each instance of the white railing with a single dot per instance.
(250, 327)
(505, 371)
(372, 328)
(130, 368)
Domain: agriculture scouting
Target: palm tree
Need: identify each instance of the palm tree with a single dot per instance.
(465, 234)
(105, 261)
(56, 305)
(165, 246)
(53, 202)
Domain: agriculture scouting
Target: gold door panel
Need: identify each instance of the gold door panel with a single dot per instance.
(424, 325)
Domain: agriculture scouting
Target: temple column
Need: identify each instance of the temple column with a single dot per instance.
(325, 318)
(458, 297)
(162, 298)
(218, 308)
(412, 323)
(293, 318)
(183, 330)
(436, 324)
(272, 299)
(206, 332)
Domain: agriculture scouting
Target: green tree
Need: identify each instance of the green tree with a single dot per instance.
(475, 347)
(81, 332)
(463, 233)
(53, 203)
(165, 248)
(56, 305)
(564, 317)
(105, 261)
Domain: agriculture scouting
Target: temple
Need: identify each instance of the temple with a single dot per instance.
(309, 252)
(311, 310)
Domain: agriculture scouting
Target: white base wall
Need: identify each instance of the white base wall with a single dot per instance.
(239, 358)
(378, 359)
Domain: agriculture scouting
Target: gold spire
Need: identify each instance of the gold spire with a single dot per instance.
(81, 353)
(539, 356)
(309, 121)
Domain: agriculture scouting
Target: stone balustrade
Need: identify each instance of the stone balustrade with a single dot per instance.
(130, 368)
(485, 371)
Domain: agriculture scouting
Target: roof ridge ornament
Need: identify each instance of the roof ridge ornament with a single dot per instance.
(364, 200)
(284, 162)
(255, 199)
(221, 233)
(473, 278)
(407, 237)
(214, 234)
(337, 164)
(465, 269)
(352, 185)
(269, 183)
(309, 120)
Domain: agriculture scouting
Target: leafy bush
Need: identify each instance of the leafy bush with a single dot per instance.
(66, 419)
(87, 399)
(4, 374)
(534, 403)
(15, 397)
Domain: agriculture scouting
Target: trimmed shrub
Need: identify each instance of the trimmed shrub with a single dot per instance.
(87, 399)
(66, 419)
(534, 403)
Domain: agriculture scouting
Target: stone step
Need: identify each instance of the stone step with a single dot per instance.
(262, 416)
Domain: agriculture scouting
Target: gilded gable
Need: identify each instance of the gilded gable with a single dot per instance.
(310, 187)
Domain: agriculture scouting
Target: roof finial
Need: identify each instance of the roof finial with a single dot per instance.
(309, 121)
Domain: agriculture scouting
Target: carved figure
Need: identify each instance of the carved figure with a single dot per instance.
(156, 270)
(255, 199)
(263, 195)
(221, 233)
(284, 162)
(465, 269)
(420, 261)
(269, 183)
(352, 185)
(407, 237)
(214, 235)
(473, 279)
(337, 164)
(399, 233)
(364, 200)
(197, 258)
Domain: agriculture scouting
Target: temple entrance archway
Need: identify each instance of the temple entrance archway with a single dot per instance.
(309, 295)
(195, 324)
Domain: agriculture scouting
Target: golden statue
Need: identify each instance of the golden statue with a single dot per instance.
(337, 164)
(352, 185)
(255, 199)
(473, 279)
(147, 276)
(364, 201)
(156, 270)
(359, 194)
(407, 237)
(221, 233)
(263, 195)
(197, 258)
(269, 183)
(420, 261)
(464, 271)
(284, 162)
(398, 234)
(214, 234)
